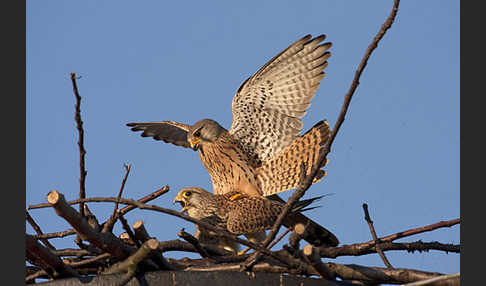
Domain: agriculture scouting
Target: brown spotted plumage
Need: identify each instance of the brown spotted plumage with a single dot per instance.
(236, 212)
(261, 154)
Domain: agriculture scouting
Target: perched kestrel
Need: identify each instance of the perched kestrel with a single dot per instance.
(262, 153)
(236, 212)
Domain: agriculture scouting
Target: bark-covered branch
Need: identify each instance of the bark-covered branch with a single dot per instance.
(82, 151)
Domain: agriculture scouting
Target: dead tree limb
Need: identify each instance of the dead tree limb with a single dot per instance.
(108, 226)
(82, 151)
(358, 250)
(375, 238)
(61, 204)
(311, 253)
(130, 263)
(453, 279)
(414, 231)
(86, 261)
(55, 266)
(192, 240)
(142, 235)
(38, 230)
(122, 211)
(354, 84)
(129, 231)
(179, 245)
(103, 240)
(378, 275)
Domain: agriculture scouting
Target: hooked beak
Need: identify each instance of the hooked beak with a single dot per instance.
(180, 200)
(195, 144)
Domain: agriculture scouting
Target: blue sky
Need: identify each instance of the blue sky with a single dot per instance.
(398, 149)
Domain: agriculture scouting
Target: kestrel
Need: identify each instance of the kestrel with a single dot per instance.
(236, 212)
(262, 153)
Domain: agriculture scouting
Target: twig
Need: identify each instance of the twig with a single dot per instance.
(89, 260)
(418, 230)
(358, 249)
(429, 281)
(82, 151)
(72, 252)
(47, 257)
(37, 229)
(279, 238)
(192, 240)
(108, 226)
(59, 234)
(179, 245)
(127, 171)
(123, 211)
(349, 95)
(375, 238)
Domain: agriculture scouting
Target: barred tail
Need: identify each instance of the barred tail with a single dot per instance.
(282, 172)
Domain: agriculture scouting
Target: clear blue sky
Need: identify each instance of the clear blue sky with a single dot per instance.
(398, 149)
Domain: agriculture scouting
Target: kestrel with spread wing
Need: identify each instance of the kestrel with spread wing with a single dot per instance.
(261, 154)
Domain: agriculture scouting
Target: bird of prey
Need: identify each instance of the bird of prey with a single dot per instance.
(235, 212)
(262, 153)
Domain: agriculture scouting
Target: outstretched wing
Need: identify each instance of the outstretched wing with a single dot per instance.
(268, 106)
(167, 131)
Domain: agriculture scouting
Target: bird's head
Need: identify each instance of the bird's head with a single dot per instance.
(204, 131)
(194, 201)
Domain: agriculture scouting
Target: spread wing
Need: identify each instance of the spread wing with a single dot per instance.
(167, 131)
(268, 106)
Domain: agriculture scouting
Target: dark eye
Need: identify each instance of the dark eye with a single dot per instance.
(187, 194)
(197, 133)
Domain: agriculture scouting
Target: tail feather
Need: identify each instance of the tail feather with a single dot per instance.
(300, 206)
(316, 234)
(282, 172)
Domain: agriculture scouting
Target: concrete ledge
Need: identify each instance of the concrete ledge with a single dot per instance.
(214, 278)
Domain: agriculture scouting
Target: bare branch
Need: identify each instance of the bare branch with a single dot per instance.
(436, 280)
(377, 275)
(103, 240)
(349, 95)
(142, 235)
(129, 231)
(48, 258)
(108, 226)
(358, 249)
(311, 253)
(89, 260)
(37, 229)
(82, 151)
(192, 240)
(375, 238)
(123, 211)
(179, 245)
